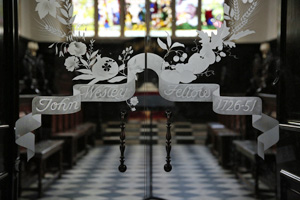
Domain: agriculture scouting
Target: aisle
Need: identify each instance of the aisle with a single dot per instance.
(195, 176)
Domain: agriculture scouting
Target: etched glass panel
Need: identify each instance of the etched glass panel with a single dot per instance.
(135, 18)
(186, 18)
(109, 18)
(161, 17)
(84, 21)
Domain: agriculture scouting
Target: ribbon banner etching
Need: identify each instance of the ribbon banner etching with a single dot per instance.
(176, 70)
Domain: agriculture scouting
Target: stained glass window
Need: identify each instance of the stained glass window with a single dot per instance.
(84, 21)
(109, 18)
(135, 18)
(211, 9)
(139, 17)
(161, 17)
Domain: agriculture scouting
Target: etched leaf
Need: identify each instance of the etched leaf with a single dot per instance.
(56, 50)
(217, 40)
(229, 44)
(121, 67)
(84, 62)
(87, 55)
(92, 62)
(120, 57)
(226, 17)
(222, 54)
(177, 44)
(64, 12)
(62, 20)
(94, 54)
(84, 77)
(226, 9)
(51, 46)
(72, 19)
(218, 58)
(84, 71)
(65, 49)
(169, 40)
(231, 13)
(71, 11)
(131, 52)
(117, 79)
(204, 37)
(161, 44)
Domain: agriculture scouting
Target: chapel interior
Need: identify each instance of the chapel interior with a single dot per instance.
(148, 147)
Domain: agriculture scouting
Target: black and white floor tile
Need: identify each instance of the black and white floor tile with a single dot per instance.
(196, 175)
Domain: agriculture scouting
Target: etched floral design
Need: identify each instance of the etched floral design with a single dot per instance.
(132, 103)
(208, 49)
(72, 63)
(77, 48)
(45, 7)
(106, 66)
(80, 57)
(178, 66)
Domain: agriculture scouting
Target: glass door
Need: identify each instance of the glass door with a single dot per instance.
(161, 82)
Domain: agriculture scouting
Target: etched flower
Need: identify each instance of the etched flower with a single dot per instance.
(134, 101)
(72, 63)
(46, 6)
(105, 68)
(77, 49)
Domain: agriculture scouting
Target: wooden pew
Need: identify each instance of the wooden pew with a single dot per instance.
(220, 140)
(289, 185)
(45, 150)
(247, 150)
(77, 142)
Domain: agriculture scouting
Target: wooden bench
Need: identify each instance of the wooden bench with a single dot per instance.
(289, 185)
(220, 140)
(247, 149)
(224, 139)
(44, 150)
(211, 127)
(77, 142)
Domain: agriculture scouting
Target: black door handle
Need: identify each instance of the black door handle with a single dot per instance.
(168, 166)
(122, 166)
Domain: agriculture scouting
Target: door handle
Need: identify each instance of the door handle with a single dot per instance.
(122, 166)
(168, 166)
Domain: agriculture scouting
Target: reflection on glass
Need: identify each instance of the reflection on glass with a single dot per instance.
(84, 21)
(186, 18)
(211, 9)
(161, 17)
(135, 18)
(109, 18)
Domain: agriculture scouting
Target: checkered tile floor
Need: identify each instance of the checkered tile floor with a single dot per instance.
(196, 175)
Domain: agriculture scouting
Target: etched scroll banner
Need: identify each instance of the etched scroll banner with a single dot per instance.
(60, 105)
(226, 106)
